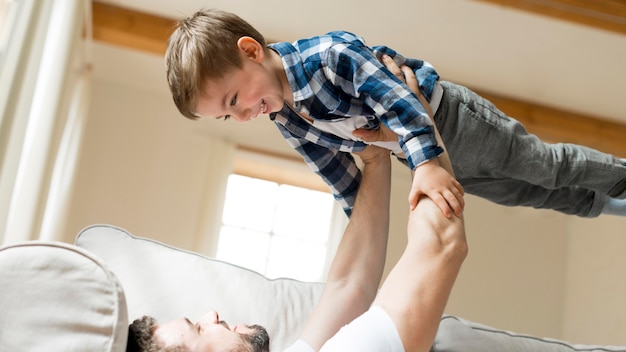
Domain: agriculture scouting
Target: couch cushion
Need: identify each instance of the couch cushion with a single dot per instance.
(168, 283)
(58, 297)
(459, 335)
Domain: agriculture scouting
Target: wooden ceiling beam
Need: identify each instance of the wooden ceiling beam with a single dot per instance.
(140, 31)
(608, 15)
(131, 29)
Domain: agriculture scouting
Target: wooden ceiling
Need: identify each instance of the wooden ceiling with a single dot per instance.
(137, 30)
(608, 15)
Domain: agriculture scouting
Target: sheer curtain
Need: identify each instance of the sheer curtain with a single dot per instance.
(44, 80)
(219, 154)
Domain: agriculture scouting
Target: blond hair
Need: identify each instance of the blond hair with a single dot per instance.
(203, 47)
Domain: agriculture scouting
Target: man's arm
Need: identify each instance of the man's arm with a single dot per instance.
(416, 290)
(357, 268)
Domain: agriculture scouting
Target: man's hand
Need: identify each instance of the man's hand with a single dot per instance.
(372, 154)
(382, 134)
(436, 183)
(404, 73)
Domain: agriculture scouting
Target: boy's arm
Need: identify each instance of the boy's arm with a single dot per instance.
(357, 268)
(429, 178)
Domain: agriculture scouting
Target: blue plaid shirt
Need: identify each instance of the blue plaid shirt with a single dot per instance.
(336, 76)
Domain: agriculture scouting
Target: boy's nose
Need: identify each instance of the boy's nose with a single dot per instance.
(242, 114)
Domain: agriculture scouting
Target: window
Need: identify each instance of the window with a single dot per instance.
(278, 230)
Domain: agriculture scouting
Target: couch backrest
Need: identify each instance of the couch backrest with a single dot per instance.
(170, 283)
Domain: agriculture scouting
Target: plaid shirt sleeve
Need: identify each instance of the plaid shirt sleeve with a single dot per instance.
(338, 169)
(355, 69)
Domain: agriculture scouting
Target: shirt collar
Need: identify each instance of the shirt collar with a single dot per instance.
(296, 74)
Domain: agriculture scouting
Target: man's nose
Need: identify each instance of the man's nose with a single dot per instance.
(211, 317)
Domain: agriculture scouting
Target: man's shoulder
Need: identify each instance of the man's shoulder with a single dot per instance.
(300, 346)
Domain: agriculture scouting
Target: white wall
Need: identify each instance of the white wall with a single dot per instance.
(143, 168)
(595, 290)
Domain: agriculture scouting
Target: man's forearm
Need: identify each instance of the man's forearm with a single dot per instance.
(362, 251)
(357, 268)
(416, 290)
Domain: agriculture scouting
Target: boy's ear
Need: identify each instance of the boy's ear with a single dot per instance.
(251, 48)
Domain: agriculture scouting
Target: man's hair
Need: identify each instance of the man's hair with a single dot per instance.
(202, 47)
(141, 339)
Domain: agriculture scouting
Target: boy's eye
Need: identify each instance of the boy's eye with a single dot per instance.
(226, 117)
(233, 101)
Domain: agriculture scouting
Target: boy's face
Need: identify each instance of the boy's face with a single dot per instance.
(246, 92)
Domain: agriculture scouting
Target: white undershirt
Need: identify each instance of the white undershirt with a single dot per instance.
(373, 331)
(343, 128)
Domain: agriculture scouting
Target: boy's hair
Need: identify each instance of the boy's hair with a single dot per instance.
(202, 47)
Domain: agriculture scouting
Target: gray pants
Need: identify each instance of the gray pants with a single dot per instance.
(494, 157)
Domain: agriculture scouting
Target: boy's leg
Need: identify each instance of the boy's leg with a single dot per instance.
(569, 200)
(486, 145)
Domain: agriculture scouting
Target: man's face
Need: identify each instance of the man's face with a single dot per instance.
(242, 94)
(207, 334)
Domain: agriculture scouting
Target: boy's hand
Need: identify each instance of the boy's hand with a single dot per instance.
(436, 183)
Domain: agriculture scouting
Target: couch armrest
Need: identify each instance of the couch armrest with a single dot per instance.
(59, 297)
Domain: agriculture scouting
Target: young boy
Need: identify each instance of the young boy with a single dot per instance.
(321, 89)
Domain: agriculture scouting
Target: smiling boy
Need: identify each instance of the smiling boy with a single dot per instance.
(319, 90)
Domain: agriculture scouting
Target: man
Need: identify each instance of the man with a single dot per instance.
(352, 313)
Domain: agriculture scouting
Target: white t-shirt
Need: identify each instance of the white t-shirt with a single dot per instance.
(373, 331)
(344, 128)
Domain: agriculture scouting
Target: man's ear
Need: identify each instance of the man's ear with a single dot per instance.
(251, 49)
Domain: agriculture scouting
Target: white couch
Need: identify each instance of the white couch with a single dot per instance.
(61, 297)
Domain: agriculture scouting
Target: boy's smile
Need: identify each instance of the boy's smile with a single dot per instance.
(246, 92)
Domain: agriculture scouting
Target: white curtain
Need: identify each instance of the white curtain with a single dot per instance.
(44, 81)
(219, 154)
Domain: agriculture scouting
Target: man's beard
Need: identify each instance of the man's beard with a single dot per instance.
(259, 340)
